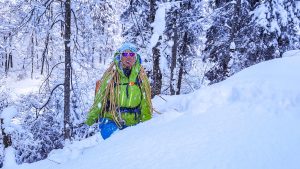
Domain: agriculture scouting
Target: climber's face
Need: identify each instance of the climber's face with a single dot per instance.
(128, 58)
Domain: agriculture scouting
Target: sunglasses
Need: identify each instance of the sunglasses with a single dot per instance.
(130, 54)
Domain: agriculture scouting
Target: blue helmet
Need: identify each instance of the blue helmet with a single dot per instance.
(128, 46)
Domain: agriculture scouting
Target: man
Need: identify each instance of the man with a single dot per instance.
(124, 96)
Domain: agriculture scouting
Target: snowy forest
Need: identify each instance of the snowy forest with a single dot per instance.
(52, 52)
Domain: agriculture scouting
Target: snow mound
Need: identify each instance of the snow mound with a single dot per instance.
(7, 115)
(249, 121)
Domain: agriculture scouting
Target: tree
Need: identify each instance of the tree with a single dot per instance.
(67, 88)
(180, 31)
(55, 112)
(256, 37)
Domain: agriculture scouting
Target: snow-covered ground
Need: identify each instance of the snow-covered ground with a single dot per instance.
(17, 87)
(249, 121)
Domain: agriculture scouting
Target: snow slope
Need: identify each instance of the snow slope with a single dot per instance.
(249, 121)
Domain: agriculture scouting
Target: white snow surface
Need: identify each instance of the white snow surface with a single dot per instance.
(249, 121)
(291, 53)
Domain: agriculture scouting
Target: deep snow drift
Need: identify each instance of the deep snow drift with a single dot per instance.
(249, 121)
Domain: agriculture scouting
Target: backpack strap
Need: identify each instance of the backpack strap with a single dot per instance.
(136, 110)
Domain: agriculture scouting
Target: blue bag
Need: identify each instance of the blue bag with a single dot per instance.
(107, 127)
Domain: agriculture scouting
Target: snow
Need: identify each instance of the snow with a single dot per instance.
(232, 46)
(278, 16)
(275, 26)
(297, 4)
(249, 121)
(99, 105)
(7, 115)
(291, 53)
(21, 87)
(9, 160)
(158, 25)
(260, 14)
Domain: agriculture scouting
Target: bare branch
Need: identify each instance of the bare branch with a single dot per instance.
(46, 8)
(61, 21)
(49, 75)
(44, 52)
(48, 98)
(75, 18)
(77, 46)
(24, 21)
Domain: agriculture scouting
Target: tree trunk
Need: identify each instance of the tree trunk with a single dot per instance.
(6, 63)
(2, 60)
(44, 53)
(180, 76)
(235, 24)
(153, 9)
(156, 72)
(67, 124)
(174, 55)
(10, 60)
(6, 138)
(10, 51)
(181, 62)
(93, 55)
(32, 55)
(157, 75)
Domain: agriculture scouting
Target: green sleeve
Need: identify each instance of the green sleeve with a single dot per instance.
(146, 113)
(94, 112)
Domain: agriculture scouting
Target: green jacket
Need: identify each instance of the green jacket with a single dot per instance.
(130, 96)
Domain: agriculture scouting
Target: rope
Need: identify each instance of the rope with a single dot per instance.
(111, 93)
(146, 86)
